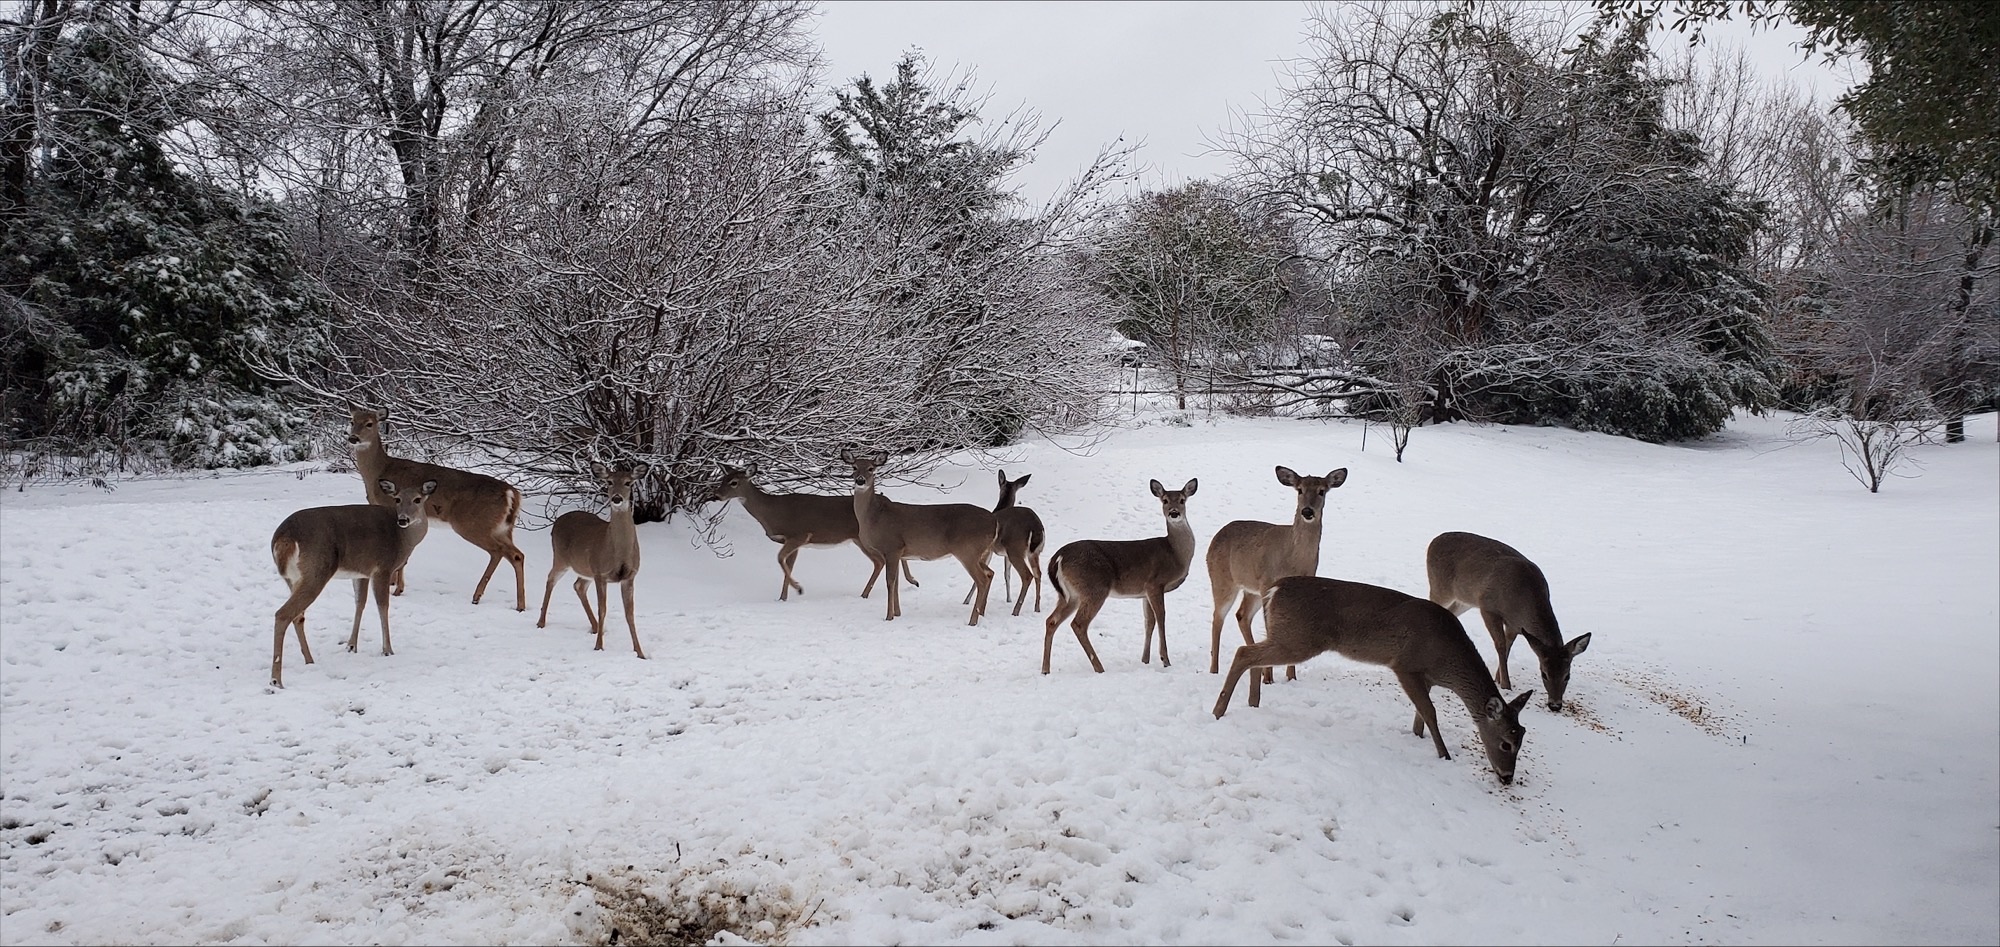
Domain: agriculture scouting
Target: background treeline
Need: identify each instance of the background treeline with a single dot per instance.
(557, 231)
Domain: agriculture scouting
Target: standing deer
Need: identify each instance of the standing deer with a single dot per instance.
(480, 508)
(1019, 541)
(795, 520)
(599, 551)
(1471, 571)
(1247, 556)
(895, 531)
(1418, 639)
(1087, 571)
(363, 542)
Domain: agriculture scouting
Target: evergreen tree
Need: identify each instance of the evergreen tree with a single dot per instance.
(137, 297)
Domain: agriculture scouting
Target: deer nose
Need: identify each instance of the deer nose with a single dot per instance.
(1307, 514)
(351, 439)
(402, 522)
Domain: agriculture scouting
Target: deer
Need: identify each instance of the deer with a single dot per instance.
(1468, 570)
(1247, 556)
(363, 542)
(599, 551)
(1420, 640)
(1019, 541)
(1087, 571)
(894, 531)
(480, 508)
(796, 520)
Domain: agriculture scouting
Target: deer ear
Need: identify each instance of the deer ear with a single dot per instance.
(597, 470)
(1336, 478)
(880, 457)
(1188, 490)
(639, 471)
(847, 455)
(387, 485)
(1579, 644)
(1287, 477)
(430, 487)
(1157, 489)
(1023, 481)
(1519, 702)
(1003, 478)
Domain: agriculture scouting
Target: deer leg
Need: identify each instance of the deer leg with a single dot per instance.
(1427, 715)
(294, 610)
(1253, 602)
(550, 589)
(892, 564)
(360, 602)
(1085, 612)
(873, 575)
(1223, 596)
(303, 647)
(985, 589)
(1063, 608)
(398, 579)
(492, 563)
(1157, 601)
(1019, 560)
(788, 554)
(1248, 658)
(578, 585)
(604, 613)
(632, 624)
(381, 584)
(1035, 559)
(1502, 643)
(909, 576)
(1146, 653)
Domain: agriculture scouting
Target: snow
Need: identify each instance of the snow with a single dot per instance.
(1786, 730)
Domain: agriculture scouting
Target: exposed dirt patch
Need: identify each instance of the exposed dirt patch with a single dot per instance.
(680, 906)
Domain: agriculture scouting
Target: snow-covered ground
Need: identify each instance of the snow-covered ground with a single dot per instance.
(1786, 729)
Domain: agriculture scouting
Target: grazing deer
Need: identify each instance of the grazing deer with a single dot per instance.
(1087, 571)
(1019, 541)
(795, 520)
(480, 508)
(1471, 571)
(1247, 556)
(895, 531)
(1419, 640)
(363, 542)
(604, 552)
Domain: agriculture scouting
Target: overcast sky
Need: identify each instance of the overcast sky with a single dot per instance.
(1170, 74)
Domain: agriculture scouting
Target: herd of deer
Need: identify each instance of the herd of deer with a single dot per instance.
(1259, 567)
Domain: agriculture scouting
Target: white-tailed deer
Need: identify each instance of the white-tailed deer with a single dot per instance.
(480, 508)
(896, 531)
(599, 551)
(1088, 571)
(795, 520)
(1471, 571)
(1019, 541)
(1424, 644)
(363, 542)
(1247, 556)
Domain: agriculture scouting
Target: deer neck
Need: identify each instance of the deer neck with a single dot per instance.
(1305, 542)
(1180, 536)
(370, 459)
(407, 538)
(1475, 688)
(621, 540)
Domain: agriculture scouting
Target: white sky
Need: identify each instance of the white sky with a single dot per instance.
(1169, 73)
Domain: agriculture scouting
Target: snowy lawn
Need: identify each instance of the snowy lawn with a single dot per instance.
(1786, 729)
